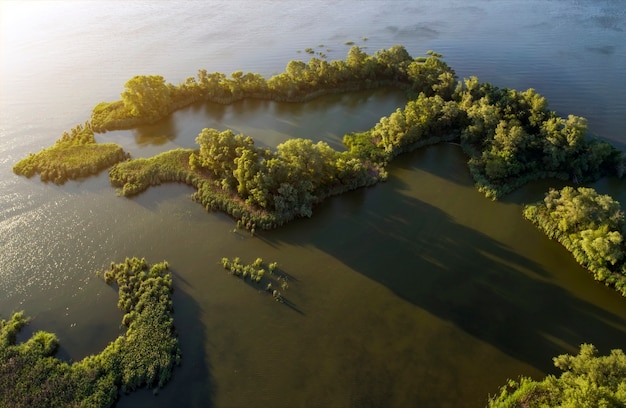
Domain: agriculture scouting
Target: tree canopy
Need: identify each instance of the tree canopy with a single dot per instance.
(587, 380)
(590, 226)
(510, 136)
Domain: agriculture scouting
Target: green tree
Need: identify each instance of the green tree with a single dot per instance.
(218, 151)
(590, 226)
(146, 95)
(246, 168)
(587, 381)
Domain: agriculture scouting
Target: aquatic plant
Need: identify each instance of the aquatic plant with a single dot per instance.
(587, 380)
(144, 356)
(590, 226)
(74, 155)
(510, 137)
(256, 272)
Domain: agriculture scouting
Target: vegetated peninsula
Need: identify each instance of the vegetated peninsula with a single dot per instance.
(74, 155)
(30, 375)
(590, 226)
(509, 136)
(587, 380)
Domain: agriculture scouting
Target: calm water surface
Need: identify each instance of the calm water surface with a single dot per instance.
(417, 292)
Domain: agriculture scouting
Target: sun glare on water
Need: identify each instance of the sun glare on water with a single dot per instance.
(22, 24)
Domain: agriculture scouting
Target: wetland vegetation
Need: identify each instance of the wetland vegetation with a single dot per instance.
(587, 380)
(31, 375)
(510, 138)
(590, 226)
(267, 277)
(76, 154)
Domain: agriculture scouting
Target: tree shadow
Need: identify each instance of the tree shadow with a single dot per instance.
(156, 134)
(445, 160)
(482, 286)
(449, 162)
(191, 384)
(268, 283)
(155, 196)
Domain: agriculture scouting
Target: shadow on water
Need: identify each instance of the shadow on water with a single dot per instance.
(192, 381)
(156, 134)
(217, 111)
(292, 306)
(456, 170)
(267, 290)
(444, 160)
(482, 286)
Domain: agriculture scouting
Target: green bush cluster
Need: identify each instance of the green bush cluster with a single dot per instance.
(285, 184)
(266, 276)
(590, 226)
(424, 120)
(587, 381)
(30, 375)
(148, 98)
(73, 156)
(512, 138)
(134, 176)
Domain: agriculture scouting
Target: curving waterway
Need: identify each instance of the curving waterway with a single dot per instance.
(415, 292)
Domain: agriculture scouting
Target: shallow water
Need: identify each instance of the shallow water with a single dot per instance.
(418, 291)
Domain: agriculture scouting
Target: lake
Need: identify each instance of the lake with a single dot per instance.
(415, 292)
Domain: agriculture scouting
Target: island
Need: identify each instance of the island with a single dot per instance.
(30, 375)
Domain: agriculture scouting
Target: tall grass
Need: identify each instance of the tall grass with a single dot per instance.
(30, 375)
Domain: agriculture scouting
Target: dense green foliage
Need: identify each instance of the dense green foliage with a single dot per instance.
(588, 380)
(590, 226)
(146, 99)
(30, 375)
(279, 185)
(257, 273)
(512, 138)
(134, 176)
(74, 155)
(424, 121)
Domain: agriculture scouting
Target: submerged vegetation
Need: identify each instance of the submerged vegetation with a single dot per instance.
(588, 380)
(267, 276)
(30, 375)
(590, 226)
